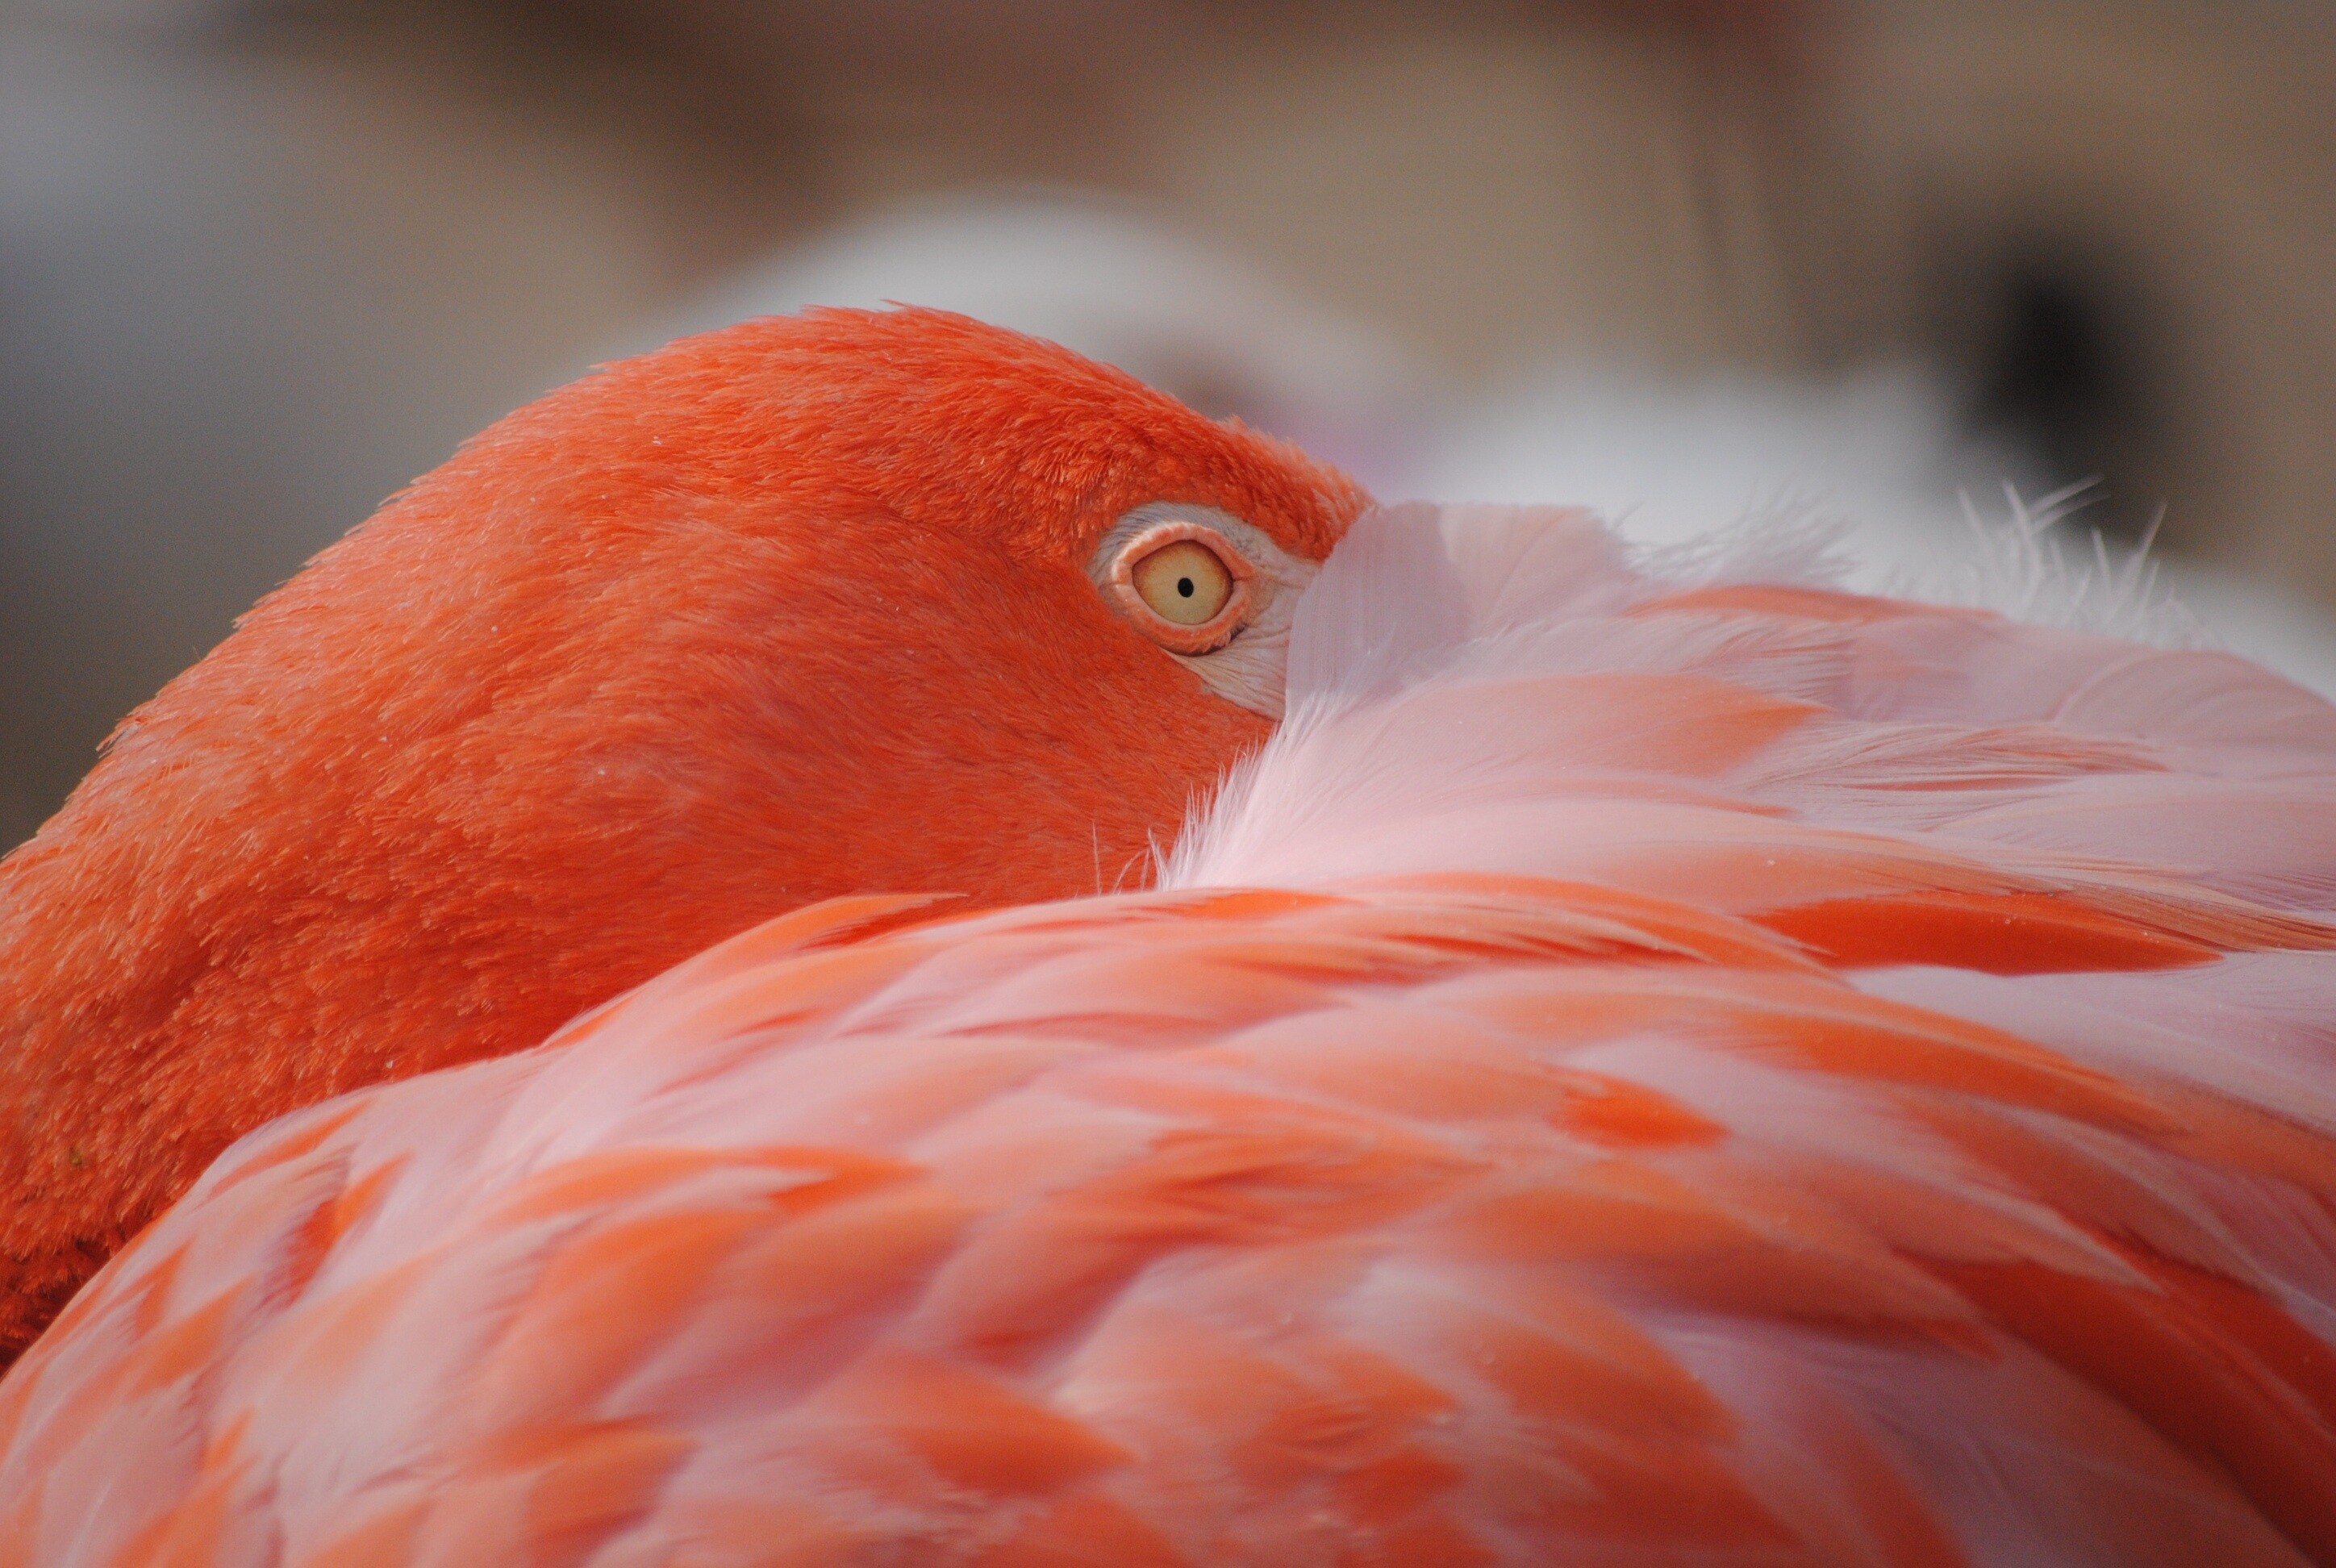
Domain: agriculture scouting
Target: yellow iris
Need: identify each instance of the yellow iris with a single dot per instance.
(1184, 582)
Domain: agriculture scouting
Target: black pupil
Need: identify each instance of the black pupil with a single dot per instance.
(1184, 587)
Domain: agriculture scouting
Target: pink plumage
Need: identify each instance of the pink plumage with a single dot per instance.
(1641, 1069)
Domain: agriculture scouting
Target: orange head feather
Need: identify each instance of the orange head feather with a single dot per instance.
(794, 610)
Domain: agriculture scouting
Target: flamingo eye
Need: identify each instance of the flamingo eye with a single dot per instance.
(1185, 583)
(1186, 577)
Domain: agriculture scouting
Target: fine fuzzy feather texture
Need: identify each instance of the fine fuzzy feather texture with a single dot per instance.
(2020, 565)
(770, 615)
(1548, 612)
(1636, 1072)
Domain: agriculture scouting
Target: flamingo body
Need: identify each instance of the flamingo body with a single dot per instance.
(1637, 1071)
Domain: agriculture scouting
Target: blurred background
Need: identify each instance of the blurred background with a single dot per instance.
(261, 261)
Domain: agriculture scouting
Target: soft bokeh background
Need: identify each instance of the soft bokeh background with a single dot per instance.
(262, 262)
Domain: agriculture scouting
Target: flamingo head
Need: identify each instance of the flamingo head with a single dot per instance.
(812, 606)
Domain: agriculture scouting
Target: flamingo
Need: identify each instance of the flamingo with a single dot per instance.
(1647, 1062)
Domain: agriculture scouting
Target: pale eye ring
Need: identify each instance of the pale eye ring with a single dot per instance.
(1184, 585)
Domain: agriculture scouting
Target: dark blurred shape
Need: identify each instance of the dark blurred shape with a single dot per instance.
(2058, 380)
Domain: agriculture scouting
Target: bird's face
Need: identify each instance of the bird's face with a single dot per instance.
(811, 607)
(899, 602)
(837, 604)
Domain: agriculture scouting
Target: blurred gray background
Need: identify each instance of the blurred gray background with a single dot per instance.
(260, 263)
